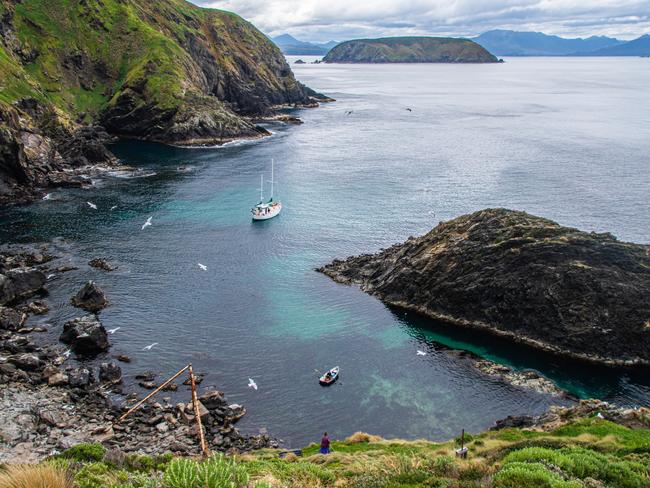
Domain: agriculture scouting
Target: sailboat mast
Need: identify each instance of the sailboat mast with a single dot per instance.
(262, 187)
(271, 178)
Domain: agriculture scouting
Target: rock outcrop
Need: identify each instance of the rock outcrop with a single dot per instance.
(167, 71)
(19, 283)
(409, 50)
(91, 298)
(523, 277)
(85, 335)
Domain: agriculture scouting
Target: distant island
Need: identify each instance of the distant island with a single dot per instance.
(513, 43)
(410, 50)
(291, 46)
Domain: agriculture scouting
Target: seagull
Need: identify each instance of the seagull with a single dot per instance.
(600, 415)
(47, 197)
(421, 353)
(147, 223)
(409, 109)
(349, 112)
(252, 384)
(203, 266)
(113, 207)
(67, 353)
(113, 331)
(148, 348)
(92, 205)
(50, 276)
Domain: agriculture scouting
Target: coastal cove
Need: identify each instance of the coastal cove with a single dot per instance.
(359, 175)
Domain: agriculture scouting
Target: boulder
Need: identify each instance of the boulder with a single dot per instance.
(235, 412)
(57, 379)
(85, 335)
(11, 319)
(213, 400)
(36, 307)
(51, 417)
(91, 298)
(27, 362)
(80, 377)
(100, 263)
(20, 283)
(110, 373)
(514, 421)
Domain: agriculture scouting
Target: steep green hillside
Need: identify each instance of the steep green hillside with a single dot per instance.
(166, 71)
(409, 50)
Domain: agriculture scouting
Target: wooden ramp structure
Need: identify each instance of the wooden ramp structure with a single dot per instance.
(195, 404)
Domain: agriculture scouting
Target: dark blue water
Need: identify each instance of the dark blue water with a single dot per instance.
(567, 139)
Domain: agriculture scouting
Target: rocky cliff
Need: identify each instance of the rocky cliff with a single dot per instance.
(520, 276)
(410, 50)
(164, 71)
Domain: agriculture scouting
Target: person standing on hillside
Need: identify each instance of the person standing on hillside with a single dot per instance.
(325, 444)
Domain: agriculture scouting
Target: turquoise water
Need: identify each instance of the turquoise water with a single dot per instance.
(563, 138)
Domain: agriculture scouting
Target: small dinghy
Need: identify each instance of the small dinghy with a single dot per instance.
(330, 377)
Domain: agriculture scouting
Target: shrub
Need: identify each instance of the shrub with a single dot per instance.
(181, 473)
(85, 453)
(215, 472)
(92, 475)
(473, 472)
(35, 476)
(583, 463)
(530, 475)
(219, 471)
(444, 466)
(466, 439)
(359, 437)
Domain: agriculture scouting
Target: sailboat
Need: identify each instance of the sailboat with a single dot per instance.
(271, 208)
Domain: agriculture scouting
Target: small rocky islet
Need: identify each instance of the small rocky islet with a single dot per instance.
(527, 278)
(410, 50)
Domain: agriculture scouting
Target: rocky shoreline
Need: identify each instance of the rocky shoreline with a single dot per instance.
(48, 404)
(528, 279)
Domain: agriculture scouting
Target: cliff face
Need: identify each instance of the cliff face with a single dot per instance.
(165, 71)
(410, 50)
(520, 276)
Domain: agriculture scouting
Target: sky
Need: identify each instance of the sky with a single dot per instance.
(321, 21)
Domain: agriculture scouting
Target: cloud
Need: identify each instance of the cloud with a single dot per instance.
(345, 19)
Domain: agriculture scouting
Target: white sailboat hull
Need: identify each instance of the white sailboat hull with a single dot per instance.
(268, 213)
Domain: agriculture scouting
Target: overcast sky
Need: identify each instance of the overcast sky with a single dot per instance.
(318, 20)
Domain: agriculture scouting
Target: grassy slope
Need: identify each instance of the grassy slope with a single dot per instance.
(588, 452)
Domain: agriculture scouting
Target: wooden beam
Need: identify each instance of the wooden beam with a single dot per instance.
(137, 405)
(197, 414)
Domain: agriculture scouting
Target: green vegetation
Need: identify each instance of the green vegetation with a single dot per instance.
(409, 50)
(156, 70)
(589, 453)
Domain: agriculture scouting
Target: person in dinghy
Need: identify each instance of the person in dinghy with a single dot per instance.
(330, 377)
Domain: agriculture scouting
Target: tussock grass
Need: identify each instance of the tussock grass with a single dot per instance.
(359, 437)
(35, 476)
